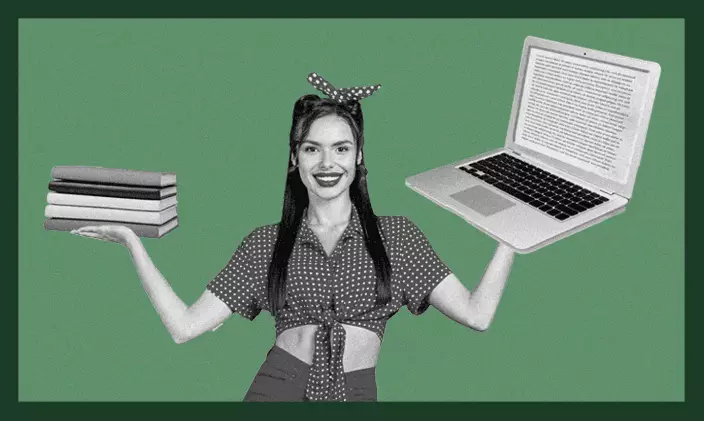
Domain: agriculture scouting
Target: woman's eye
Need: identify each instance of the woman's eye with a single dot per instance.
(309, 149)
(343, 149)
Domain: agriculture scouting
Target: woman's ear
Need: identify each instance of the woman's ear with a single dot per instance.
(359, 158)
(293, 159)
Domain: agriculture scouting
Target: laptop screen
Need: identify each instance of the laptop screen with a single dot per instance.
(581, 111)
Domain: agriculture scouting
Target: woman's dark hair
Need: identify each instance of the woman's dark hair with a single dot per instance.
(307, 109)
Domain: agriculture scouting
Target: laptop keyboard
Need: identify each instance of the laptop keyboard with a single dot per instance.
(540, 189)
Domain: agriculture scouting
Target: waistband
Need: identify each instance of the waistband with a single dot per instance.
(300, 367)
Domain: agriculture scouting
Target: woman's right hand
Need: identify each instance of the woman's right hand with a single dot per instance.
(183, 322)
(116, 233)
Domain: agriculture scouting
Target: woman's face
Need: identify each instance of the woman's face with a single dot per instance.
(326, 158)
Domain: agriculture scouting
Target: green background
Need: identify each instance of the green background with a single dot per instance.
(596, 317)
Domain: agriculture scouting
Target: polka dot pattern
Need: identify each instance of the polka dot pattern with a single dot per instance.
(331, 290)
(340, 95)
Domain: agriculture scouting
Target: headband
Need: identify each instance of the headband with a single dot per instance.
(340, 95)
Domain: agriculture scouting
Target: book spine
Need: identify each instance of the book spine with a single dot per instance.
(60, 224)
(54, 198)
(109, 191)
(142, 230)
(139, 217)
(113, 176)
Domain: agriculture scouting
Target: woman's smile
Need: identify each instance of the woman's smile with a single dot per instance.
(327, 179)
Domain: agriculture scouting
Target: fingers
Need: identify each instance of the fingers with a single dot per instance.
(113, 233)
(89, 228)
(91, 235)
(89, 231)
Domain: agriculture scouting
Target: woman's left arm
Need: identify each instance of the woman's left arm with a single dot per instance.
(475, 309)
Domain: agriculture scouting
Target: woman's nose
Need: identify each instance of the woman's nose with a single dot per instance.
(327, 159)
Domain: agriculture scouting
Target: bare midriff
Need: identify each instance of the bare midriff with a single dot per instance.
(361, 345)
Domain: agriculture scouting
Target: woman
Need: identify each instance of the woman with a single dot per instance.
(331, 272)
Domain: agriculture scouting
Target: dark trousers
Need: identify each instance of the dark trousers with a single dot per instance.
(283, 377)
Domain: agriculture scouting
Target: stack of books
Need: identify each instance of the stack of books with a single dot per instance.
(79, 196)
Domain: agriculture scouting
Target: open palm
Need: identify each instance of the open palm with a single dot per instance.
(116, 233)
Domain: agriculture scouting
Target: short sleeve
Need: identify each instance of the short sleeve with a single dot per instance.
(238, 283)
(421, 270)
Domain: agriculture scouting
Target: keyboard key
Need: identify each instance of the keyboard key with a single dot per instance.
(566, 210)
(536, 203)
(524, 197)
(562, 216)
(554, 212)
(586, 204)
(545, 208)
(577, 207)
(501, 185)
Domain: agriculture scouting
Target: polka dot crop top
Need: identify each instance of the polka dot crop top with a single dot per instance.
(330, 290)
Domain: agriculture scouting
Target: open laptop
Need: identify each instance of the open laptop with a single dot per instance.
(573, 147)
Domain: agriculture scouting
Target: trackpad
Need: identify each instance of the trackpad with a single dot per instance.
(482, 200)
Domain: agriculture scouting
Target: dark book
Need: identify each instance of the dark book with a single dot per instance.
(111, 190)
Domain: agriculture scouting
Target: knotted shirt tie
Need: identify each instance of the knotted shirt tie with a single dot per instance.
(327, 376)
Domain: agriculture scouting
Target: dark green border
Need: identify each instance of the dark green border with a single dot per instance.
(352, 9)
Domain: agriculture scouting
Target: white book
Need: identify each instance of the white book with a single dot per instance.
(113, 175)
(107, 214)
(65, 199)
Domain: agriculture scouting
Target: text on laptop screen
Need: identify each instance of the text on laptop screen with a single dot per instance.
(581, 111)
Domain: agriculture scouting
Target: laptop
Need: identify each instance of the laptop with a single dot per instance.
(573, 147)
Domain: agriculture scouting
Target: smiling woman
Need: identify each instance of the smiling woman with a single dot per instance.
(326, 157)
(330, 271)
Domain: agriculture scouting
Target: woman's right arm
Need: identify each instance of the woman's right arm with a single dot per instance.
(183, 322)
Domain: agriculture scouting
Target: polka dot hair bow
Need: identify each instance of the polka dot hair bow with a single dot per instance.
(354, 93)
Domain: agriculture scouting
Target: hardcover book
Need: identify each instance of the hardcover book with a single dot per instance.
(107, 214)
(142, 230)
(114, 176)
(95, 189)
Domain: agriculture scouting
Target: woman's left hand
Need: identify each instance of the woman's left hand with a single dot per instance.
(504, 250)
